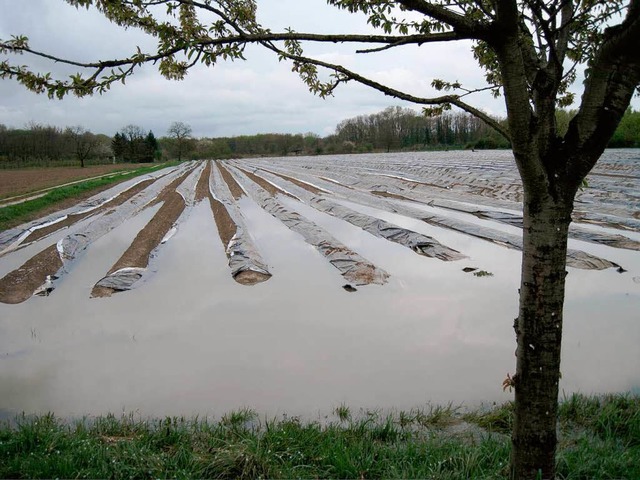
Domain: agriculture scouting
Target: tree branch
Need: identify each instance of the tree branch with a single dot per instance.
(460, 23)
(612, 79)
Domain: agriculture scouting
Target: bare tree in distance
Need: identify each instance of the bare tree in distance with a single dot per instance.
(180, 132)
(530, 52)
(84, 142)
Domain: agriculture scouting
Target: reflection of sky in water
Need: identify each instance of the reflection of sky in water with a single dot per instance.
(192, 340)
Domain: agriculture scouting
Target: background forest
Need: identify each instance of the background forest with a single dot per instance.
(393, 129)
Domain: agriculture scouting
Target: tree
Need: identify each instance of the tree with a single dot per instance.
(530, 51)
(83, 141)
(136, 148)
(119, 146)
(180, 132)
(628, 132)
(150, 147)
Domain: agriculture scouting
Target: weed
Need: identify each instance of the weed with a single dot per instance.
(343, 412)
(599, 440)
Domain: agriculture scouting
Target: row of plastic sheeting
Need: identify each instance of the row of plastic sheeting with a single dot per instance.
(576, 259)
(351, 265)
(50, 270)
(244, 258)
(13, 238)
(126, 276)
(419, 243)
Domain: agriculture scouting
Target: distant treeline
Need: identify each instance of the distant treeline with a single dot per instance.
(393, 129)
(39, 145)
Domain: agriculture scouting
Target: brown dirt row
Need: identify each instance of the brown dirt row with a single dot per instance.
(71, 219)
(202, 187)
(137, 255)
(23, 181)
(227, 229)
(234, 187)
(18, 285)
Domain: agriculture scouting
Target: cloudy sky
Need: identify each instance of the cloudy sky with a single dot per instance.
(257, 96)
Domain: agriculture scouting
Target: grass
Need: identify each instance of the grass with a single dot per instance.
(13, 215)
(599, 439)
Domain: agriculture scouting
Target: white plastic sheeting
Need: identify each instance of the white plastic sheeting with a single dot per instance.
(72, 245)
(241, 251)
(127, 277)
(419, 243)
(352, 266)
(576, 259)
(12, 239)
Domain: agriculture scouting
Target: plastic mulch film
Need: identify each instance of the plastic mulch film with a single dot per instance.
(515, 220)
(481, 178)
(187, 189)
(417, 242)
(576, 259)
(133, 264)
(42, 271)
(71, 245)
(13, 238)
(243, 255)
(352, 266)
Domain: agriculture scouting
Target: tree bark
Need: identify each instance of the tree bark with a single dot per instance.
(539, 332)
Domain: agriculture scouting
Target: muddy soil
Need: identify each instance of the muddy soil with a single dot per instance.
(234, 187)
(137, 255)
(20, 284)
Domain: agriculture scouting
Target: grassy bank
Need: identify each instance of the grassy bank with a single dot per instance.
(13, 215)
(599, 438)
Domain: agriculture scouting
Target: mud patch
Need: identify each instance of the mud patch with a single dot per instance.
(20, 284)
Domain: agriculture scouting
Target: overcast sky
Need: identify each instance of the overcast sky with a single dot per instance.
(260, 95)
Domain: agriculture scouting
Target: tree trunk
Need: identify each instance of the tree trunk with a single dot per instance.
(539, 334)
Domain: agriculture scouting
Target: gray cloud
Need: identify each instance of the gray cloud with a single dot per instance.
(259, 95)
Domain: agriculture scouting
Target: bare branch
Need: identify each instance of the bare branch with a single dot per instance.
(445, 99)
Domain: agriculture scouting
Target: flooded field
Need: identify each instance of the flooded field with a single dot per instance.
(297, 284)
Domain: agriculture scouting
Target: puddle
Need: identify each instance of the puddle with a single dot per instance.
(191, 340)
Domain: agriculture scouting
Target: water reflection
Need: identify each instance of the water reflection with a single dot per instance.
(193, 341)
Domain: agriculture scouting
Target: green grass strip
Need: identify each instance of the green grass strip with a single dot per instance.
(13, 215)
(598, 439)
